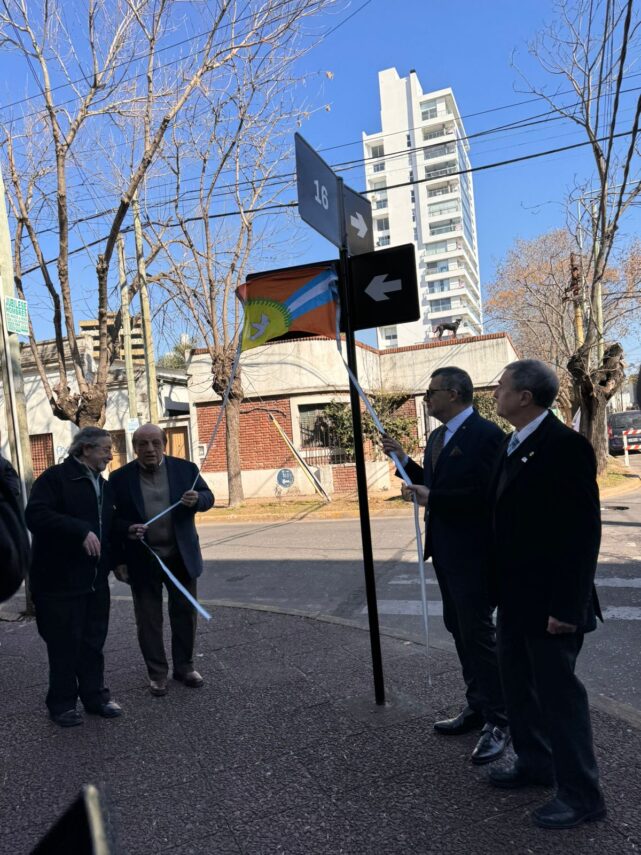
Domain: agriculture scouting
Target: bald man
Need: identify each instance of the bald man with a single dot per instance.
(142, 489)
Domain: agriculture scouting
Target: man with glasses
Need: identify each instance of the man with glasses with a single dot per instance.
(452, 484)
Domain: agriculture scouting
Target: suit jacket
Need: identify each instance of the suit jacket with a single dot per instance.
(546, 524)
(456, 531)
(130, 509)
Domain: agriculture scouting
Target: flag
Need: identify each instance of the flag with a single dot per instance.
(297, 299)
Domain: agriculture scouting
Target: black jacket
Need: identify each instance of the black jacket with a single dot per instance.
(456, 517)
(62, 509)
(14, 540)
(546, 524)
(130, 508)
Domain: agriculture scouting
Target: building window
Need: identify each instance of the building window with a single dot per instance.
(390, 336)
(383, 241)
(447, 168)
(442, 305)
(41, 452)
(438, 286)
(379, 167)
(443, 228)
(378, 150)
(437, 267)
(408, 140)
(438, 209)
(381, 202)
(382, 225)
(429, 110)
(314, 431)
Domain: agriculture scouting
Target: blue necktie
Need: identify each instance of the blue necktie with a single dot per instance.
(512, 444)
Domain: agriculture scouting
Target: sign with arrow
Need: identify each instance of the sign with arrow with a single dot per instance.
(385, 287)
(358, 222)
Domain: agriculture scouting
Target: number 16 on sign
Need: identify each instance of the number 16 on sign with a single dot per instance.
(318, 200)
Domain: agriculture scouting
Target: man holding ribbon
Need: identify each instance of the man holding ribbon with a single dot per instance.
(156, 499)
(452, 483)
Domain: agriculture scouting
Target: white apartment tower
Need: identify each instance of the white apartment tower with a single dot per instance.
(422, 139)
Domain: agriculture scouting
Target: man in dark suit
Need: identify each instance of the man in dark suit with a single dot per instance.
(142, 489)
(546, 531)
(453, 483)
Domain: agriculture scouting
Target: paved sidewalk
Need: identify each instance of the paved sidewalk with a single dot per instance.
(282, 751)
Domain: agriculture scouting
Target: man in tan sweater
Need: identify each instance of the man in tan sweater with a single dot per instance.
(142, 489)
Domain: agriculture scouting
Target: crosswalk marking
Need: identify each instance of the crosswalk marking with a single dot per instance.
(622, 613)
(406, 607)
(614, 582)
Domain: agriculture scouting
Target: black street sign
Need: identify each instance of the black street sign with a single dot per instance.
(358, 222)
(384, 288)
(318, 202)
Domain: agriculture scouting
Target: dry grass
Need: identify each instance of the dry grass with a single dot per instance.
(617, 476)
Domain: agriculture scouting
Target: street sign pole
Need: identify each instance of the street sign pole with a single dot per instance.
(361, 473)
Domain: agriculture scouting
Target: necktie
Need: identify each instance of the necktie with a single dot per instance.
(512, 444)
(437, 445)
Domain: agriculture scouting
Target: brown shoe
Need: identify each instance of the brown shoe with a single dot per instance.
(192, 679)
(158, 688)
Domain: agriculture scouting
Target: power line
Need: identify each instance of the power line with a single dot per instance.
(285, 205)
(282, 179)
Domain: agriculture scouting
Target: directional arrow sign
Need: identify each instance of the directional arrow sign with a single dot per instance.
(358, 222)
(380, 286)
(318, 201)
(384, 287)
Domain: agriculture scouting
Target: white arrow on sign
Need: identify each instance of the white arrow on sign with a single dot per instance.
(358, 222)
(379, 288)
(260, 328)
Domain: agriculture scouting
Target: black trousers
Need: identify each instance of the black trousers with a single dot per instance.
(467, 614)
(548, 710)
(146, 587)
(74, 629)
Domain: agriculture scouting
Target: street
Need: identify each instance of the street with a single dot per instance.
(315, 568)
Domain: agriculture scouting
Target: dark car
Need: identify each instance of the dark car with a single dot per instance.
(617, 423)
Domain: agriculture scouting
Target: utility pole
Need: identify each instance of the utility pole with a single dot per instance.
(598, 291)
(126, 331)
(145, 311)
(576, 290)
(11, 368)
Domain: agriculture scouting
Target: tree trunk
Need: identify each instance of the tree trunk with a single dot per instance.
(232, 446)
(594, 428)
(595, 388)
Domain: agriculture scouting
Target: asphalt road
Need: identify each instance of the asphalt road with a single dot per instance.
(316, 568)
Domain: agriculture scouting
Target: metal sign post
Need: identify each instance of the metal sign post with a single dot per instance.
(361, 474)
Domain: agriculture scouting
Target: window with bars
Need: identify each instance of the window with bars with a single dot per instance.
(314, 432)
(41, 452)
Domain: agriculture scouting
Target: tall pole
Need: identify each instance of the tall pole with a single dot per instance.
(361, 472)
(145, 311)
(598, 291)
(577, 297)
(11, 368)
(126, 331)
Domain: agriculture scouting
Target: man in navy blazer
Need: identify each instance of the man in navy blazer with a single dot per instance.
(143, 489)
(546, 524)
(453, 483)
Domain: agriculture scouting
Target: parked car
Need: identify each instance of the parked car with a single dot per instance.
(617, 423)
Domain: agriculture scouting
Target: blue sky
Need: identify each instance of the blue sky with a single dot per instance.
(469, 46)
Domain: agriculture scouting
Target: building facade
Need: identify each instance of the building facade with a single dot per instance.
(422, 140)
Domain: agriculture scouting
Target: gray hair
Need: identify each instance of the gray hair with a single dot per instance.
(457, 380)
(535, 377)
(87, 436)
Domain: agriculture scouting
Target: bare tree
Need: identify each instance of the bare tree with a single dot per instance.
(592, 46)
(530, 298)
(228, 176)
(101, 70)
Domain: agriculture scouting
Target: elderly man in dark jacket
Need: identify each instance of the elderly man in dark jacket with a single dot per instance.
(69, 513)
(143, 489)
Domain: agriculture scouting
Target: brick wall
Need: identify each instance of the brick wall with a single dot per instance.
(345, 478)
(261, 445)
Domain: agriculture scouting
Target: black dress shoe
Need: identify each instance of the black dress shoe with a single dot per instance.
(468, 720)
(515, 777)
(558, 814)
(68, 718)
(491, 745)
(110, 709)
